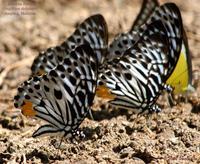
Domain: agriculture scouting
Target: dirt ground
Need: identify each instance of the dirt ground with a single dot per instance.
(114, 136)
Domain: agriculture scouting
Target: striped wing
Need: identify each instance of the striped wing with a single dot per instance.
(63, 96)
(120, 44)
(181, 78)
(124, 41)
(148, 7)
(92, 31)
(138, 77)
(170, 16)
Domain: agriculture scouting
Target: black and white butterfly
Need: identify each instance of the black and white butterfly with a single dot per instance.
(141, 61)
(64, 95)
(92, 31)
(180, 78)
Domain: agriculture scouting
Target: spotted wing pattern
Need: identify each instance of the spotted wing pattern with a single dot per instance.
(138, 77)
(181, 78)
(120, 44)
(171, 19)
(169, 14)
(92, 31)
(148, 7)
(63, 96)
(124, 41)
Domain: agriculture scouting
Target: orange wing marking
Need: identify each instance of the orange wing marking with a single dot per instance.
(27, 109)
(41, 72)
(103, 92)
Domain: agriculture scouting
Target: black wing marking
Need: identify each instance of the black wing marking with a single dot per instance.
(138, 77)
(92, 31)
(148, 7)
(63, 96)
(170, 15)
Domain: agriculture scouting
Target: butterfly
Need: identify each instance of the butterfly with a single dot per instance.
(180, 78)
(63, 96)
(92, 31)
(137, 75)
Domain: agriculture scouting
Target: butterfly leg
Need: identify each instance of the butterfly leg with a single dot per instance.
(169, 90)
(77, 135)
(80, 134)
(154, 109)
(58, 144)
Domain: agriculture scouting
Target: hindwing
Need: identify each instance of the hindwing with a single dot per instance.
(138, 76)
(63, 96)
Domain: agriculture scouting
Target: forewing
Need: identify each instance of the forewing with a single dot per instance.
(120, 44)
(170, 16)
(124, 41)
(172, 21)
(148, 7)
(92, 31)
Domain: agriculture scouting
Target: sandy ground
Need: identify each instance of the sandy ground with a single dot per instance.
(114, 136)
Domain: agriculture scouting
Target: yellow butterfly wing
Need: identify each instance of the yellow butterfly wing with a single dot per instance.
(181, 78)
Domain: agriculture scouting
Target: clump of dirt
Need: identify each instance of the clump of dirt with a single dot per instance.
(114, 136)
